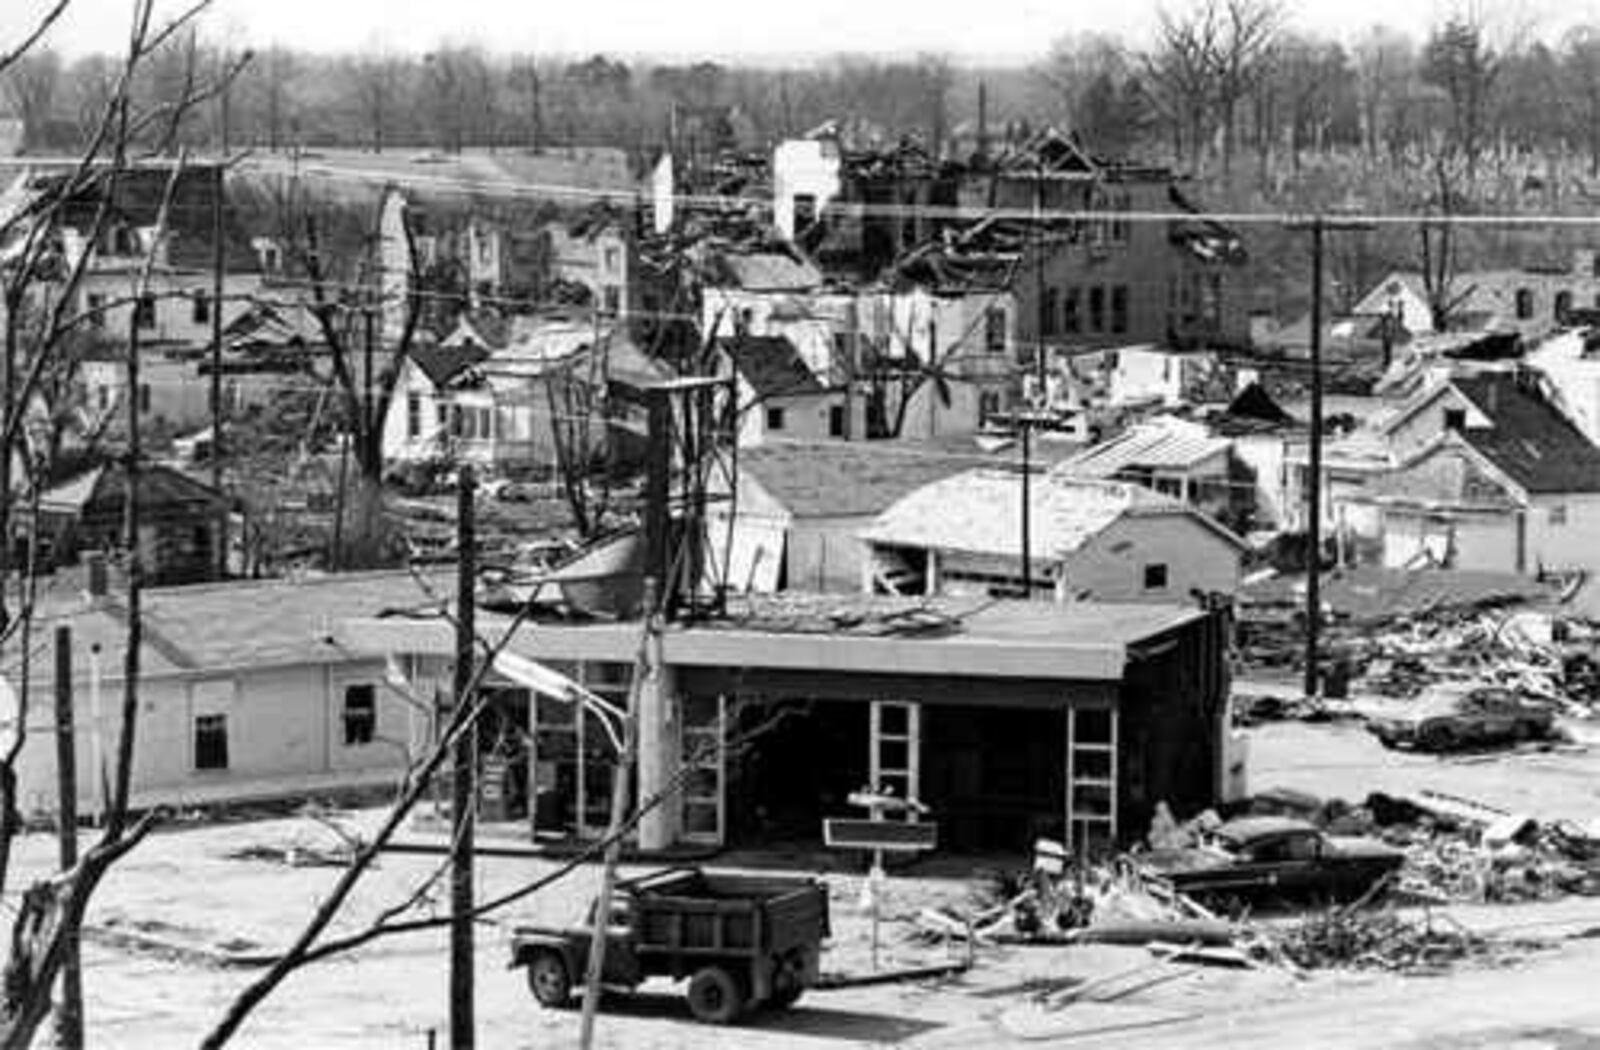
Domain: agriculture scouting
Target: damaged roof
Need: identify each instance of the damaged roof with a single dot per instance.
(1161, 444)
(844, 478)
(980, 512)
(771, 365)
(1530, 440)
(444, 365)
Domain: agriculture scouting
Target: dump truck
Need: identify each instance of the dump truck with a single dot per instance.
(741, 941)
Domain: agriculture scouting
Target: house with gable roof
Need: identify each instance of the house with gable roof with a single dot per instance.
(777, 395)
(1107, 541)
(1489, 475)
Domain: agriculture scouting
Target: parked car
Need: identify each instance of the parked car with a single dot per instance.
(1448, 715)
(1256, 859)
(742, 940)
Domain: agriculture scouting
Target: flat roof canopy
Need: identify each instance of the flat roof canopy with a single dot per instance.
(999, 639)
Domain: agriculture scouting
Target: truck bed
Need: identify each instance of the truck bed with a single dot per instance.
(690, 912)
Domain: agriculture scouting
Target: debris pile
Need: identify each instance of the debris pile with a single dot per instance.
(1379, 939)
(1394, 633)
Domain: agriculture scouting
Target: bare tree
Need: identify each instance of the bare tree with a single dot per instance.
(39, 282)
(376, 79)
(32, 84)
(1458, 60)
(1580, 68)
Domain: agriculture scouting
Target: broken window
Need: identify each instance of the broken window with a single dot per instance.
(211, 741)
(1070, 322)
(413, 414)
(1119, 308)
(1155, 577)
(1047, 312)
(1097, 309)
(1524, 303)
(360, 714)
(994, 330)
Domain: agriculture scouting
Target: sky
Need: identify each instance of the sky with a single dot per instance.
(1004, 31)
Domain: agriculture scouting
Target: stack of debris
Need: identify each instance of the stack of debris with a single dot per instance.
(1368, 940)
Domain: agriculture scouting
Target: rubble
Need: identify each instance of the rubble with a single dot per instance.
(1379, 939)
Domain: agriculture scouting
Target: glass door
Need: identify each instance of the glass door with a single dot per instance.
(702, 755)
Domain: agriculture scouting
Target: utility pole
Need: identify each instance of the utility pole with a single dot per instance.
(1318, 225)
(219, 263)
(1025, 425)
(1038, 278)
(1314, 527)
(463, 800)
(69, 1016)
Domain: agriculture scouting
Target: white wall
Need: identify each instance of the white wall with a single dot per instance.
(802, 167)
(1569, 538)
(285, 733)
(1110, 567)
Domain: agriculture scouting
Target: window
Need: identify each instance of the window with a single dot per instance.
(96, 308)
(144, 397)
(144, 311)
(1047, 312)
(1119, 308)
(805, 211)
(360, 714)
(774, 419)
(413, 415)
(103, 396)
(612, 299)
(1155, 577)
(836, 421)
(1097, 309)
(994, 330)
(1562, 307)
(1524, 303)
(200, 308)
(613, 259)
(1070, 322)
(1558, 514)
(988, 405)
(1455, 419)
(211, 742)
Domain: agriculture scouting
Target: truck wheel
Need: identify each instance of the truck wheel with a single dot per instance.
(715, 996)
(788, 983)
(549, 981)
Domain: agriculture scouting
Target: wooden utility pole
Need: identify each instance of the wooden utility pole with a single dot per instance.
(1025, 425)
(69, 1015)
(463, 800)
(1318, 225)
(621, 790)
(219, 266)
(1314, 503)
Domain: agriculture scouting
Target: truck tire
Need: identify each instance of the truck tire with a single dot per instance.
(549, 980)
(788, 983)
(715, 996)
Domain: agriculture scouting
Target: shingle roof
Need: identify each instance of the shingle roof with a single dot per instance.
(441, 364)
(845, 478)
(1531, 441)
(980, 512)
(241, 623)
(771, 365)
(102, 490)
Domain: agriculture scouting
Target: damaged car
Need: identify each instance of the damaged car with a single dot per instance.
(1450, 715)
(1255, 860)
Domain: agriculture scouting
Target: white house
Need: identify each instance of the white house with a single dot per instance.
(244, 693)
(1087, 540)
(778, 396)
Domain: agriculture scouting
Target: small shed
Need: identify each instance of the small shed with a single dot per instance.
(181, 521)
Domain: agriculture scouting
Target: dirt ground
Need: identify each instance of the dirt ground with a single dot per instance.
(185, 889)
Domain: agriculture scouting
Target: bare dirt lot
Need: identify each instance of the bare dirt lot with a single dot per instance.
(186, 889)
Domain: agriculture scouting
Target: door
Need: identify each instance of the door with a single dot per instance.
(896, 752)
(704, 734)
